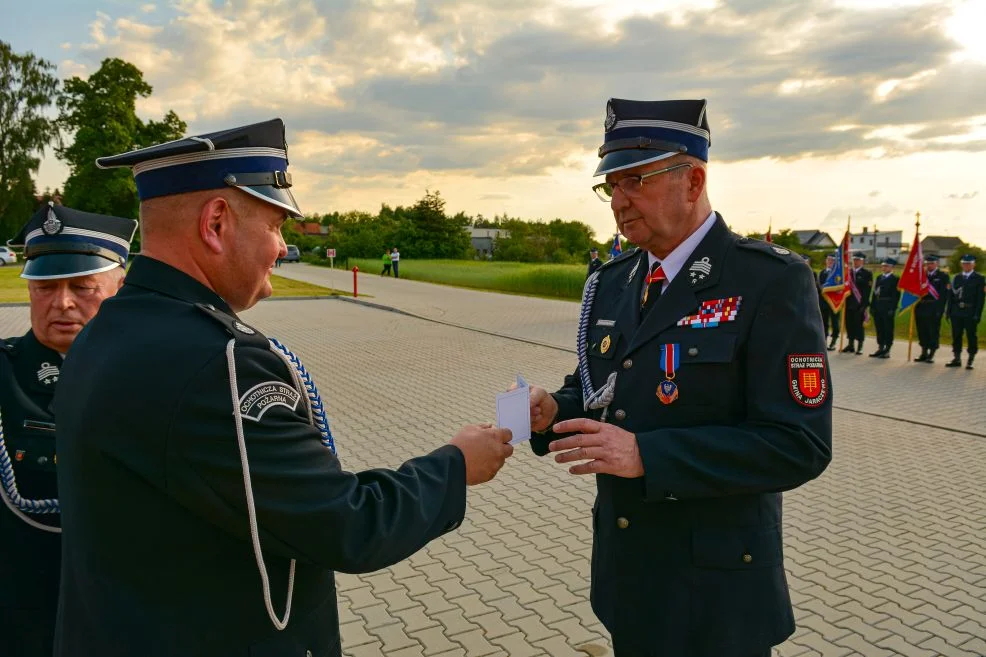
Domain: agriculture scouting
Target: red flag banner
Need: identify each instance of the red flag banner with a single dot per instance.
(914, 279)
(838, 286)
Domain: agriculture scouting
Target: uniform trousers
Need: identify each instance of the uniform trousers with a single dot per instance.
(854, 324)
(883, 320)
(929, 329)
(968, 326)
(830, 321)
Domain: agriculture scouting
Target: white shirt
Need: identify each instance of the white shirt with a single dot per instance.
(395, 256)
(675, 261)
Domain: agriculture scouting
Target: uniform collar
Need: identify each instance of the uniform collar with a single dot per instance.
(676, 260)
(162, 278)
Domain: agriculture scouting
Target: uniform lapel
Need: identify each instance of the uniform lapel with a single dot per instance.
(680, 298)
(628, 303)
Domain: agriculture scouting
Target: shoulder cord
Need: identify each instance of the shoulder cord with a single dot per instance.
(316, 415)
(592, 399)
(12, 497)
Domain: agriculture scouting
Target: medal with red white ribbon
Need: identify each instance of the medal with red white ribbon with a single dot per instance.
(667, 390)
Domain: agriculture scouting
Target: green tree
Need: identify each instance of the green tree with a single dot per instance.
(101, 114)
(953, 261)
(27, 89)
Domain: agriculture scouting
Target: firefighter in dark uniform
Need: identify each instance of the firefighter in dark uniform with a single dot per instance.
(203, 506)
(883, 306)
(856, 309)
(702, 392)
(830, 319)
(74, 260)
(929, 310)
(594, 262)
(965, 310)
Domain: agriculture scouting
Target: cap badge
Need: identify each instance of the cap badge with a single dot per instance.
(610, 117)
(780, 250)
(52, 225)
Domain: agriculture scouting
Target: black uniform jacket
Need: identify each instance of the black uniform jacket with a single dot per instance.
(30, 557)
(886, 296)
(864, 283)
(929, 305)
(687, 560)
(157, 549)
(967, 296)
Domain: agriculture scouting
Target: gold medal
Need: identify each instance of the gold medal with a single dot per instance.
(604, 345)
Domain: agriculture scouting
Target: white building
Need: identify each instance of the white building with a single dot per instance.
(878, 244)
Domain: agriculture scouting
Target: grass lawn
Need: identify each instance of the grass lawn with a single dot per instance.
(13, 289)
(551, 281)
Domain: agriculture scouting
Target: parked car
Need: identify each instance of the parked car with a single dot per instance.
(7, 257)
(294, 254)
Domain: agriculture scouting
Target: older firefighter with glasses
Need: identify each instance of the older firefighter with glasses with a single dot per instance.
(701, 393)
(74, 261)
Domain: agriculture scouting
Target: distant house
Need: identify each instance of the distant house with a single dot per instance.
(484, 240)
(877, 245)
(941, 245)
(313, 228)
(814, 239)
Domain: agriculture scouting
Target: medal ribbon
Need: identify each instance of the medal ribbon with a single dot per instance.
(669, 358)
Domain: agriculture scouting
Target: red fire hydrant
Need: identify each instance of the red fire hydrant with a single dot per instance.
(355, 290)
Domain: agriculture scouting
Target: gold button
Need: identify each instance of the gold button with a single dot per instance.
(622, 523)
(627, 364)
(747, 558)
(620, 414)
(693, 351)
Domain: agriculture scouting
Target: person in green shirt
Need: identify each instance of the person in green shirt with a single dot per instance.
(386, 263)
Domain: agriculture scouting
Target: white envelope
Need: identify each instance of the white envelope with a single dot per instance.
(513, 411)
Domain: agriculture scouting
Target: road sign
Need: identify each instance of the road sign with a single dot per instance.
(330, 253)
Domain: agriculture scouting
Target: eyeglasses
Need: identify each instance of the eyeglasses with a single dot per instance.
(630, 185)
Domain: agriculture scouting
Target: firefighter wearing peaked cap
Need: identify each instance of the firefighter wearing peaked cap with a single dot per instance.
(74, 260)
(930, 309)
(883, 303)
(700, 394)
(212, 442)
(965, 310)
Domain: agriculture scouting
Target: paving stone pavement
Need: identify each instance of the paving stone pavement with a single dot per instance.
(894, 387)
(884, 551)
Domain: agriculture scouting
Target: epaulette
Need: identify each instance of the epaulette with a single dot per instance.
(7, 345)
(779, 252)
(240, 331)
(620, 258)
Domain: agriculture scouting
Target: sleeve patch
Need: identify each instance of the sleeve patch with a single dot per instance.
(260, 398)
(806, 379)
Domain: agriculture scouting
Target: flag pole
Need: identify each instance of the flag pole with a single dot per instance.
(845, 274)
(910, 330)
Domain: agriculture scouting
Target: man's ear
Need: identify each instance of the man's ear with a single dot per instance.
(215, 221)
(696, 183)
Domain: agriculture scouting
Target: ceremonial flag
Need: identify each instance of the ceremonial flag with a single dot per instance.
(838, 285)
(914, 279)
(616, 249)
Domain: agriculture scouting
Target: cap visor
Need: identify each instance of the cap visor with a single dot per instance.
(619, 160)
(65, 265)
(279, 196)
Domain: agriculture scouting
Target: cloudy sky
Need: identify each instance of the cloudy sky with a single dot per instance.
(819, 109)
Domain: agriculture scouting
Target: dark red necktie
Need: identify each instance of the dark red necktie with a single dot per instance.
(653, 285)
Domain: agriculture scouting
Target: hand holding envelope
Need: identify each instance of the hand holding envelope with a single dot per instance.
(513, 411)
